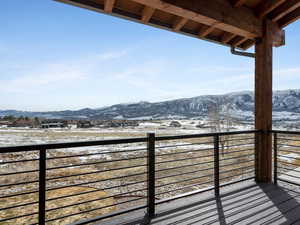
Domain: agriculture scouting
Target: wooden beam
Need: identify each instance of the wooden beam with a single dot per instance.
(179, 23)
(239, 41)
(289, 18)
(147, 14)
(219, 13)
(278, 35)
(267, 6)
(284, 9)
(249, 43)
(263, 104)
(205, 30)
(226, 37)
(109, 5)
(238, 3)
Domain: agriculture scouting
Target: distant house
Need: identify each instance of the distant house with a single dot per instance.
(131, 123)
(201, 125)
(5, 123)
(175, 124)
(54, 124)
(205, 126)
(119, 123)
(84, 124)
(21, 123)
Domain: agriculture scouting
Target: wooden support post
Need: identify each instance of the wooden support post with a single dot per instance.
(263, 103)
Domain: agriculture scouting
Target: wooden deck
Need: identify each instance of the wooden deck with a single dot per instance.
(246, 203)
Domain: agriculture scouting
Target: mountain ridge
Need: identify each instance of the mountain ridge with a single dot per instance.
(237, 104)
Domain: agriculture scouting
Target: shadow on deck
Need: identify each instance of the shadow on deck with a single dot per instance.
(246, 203)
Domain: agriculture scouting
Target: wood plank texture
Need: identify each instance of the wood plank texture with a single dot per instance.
(238, 3)
(240, 204)
(206, 30)
(147, 14)
(179, 23)
(284, 9)
(241, 18)
(219, 13)
(108, 5)
(267, 6)
(289, 18)
(239, 41)
(226, 37)
(247, 44)
(263, 103)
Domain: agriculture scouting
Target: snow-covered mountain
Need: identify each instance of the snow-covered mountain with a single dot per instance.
(286, 106)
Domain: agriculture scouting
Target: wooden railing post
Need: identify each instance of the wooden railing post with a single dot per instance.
(217, 165)
(151, 175)
(42, 187)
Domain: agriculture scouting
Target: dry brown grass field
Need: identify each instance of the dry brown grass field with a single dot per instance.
(288, 152)
(101, 180)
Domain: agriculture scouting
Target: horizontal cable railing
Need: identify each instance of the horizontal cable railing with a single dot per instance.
(64, 183)
(286, 158)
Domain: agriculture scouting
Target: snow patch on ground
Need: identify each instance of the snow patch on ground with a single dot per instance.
(149, 124)
(94, 157)
(24, 136)
(289, 157)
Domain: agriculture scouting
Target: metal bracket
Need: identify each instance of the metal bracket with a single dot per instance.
(247, 54)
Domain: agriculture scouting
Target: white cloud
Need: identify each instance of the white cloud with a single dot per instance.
(142, 75)
(43, 77)
(112, 55)
(286, 78)
(220, 69)
(287, 72)
(38, 77)
(157, 82)
(117, 77)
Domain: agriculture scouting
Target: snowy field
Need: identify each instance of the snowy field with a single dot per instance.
(117, 170)
(25, 136)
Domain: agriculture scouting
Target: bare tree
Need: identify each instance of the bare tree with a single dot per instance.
(220, 121)
(214, 118)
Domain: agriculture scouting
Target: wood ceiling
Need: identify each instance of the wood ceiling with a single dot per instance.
(234, 23)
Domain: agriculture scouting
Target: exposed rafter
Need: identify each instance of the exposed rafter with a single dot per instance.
(239, 41)
(147, 14)
(289, 18)
(222, 21)
(179, 23)
(108, 5)
(247, 44)
(238, 3)
(205, 30)
(284, 9)
(234, 42)
(267, 6)
(226, 37)
(214, 12)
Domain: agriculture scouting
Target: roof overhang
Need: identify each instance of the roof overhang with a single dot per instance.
(235, 23)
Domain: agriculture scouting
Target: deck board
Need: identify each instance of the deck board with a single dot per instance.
(247, 203)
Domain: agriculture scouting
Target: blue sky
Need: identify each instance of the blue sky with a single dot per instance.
(55, 56)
